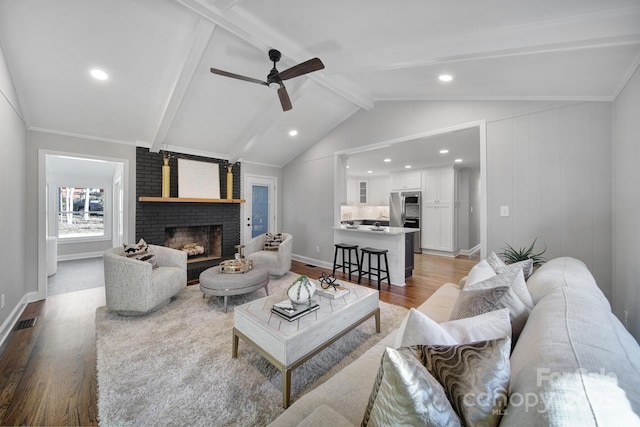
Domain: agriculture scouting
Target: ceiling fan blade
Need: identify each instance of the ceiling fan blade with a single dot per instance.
(237, 76)
(284, 98)
(306, 67)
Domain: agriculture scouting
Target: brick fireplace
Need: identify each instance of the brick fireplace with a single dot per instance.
(154, 221)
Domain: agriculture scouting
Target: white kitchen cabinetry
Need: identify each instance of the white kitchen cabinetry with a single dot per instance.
(406, 181)
(379, 190)
(439, 210)
(368, 191)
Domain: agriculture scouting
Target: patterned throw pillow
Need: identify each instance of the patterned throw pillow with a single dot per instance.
(518, 310)
(499, 266)
(137, 249)
(478, 301)
(474, 376)
(272, 241)
(406, 394)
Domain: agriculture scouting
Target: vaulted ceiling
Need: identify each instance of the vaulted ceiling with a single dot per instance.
(161, 94)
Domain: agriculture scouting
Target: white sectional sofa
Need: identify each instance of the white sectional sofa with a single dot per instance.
(574, 363)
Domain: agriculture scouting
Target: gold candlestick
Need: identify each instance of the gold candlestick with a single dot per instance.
(166, 178)
(229, 182)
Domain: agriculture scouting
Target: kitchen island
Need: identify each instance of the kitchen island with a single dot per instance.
(397, 240)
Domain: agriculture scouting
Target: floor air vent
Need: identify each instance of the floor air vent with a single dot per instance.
(310, 265)
(26, 323)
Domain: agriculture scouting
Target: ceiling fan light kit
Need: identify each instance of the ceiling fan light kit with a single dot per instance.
(276, 77)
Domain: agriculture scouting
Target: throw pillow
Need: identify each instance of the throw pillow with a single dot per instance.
(418, 328)
(495, 262)
(481, 271)
(406, 394)
(478, 301)
(474, 376)
(518, 311)
(139, 248)
(272, 241)
(148, 257)
(499, 266)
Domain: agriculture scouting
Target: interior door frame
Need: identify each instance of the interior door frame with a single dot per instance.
(249, 181)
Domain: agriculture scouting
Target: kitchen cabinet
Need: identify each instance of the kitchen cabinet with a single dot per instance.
(371, 191)
(439, 209)
(379, 188)
(406, 181)
(438, 186)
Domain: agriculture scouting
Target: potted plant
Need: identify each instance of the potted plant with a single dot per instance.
(512, 255)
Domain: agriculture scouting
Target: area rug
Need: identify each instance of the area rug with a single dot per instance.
(173, 367)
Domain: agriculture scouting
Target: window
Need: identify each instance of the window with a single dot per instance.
(80, 212)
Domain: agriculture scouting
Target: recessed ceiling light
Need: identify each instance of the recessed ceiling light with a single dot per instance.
(458, 160)
(293, 132)
(369, 171)
(99, 74)
(445, 77)
(445, 151)
(347, 166)
(407, 167)
(387, 160)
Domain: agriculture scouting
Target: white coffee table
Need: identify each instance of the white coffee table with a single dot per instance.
(287, 345)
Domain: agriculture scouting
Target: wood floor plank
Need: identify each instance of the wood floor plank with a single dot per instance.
(48, 372)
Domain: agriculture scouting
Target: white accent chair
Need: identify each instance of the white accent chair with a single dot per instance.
(135, 288)
(277, 261)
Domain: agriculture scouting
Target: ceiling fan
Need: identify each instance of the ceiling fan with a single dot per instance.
(276, 77)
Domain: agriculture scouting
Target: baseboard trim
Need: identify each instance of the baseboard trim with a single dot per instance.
(470, 252)
(85, 255)
(9, 323)
(312, 261)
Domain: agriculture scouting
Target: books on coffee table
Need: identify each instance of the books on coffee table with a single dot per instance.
(289, 311)
(331, 292)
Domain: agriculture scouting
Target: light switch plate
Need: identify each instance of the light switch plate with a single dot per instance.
(504, 210)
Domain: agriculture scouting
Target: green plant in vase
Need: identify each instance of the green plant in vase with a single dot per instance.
(301, 290)
(512, 255)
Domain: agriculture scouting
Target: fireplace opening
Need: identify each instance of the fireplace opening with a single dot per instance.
(201, 243)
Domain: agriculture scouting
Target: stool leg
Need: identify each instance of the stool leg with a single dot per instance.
(386, 267)
(360, 263)
(335, 258)
(349, 266)
(378, 270)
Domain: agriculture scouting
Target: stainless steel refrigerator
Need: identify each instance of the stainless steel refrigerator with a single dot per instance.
(404, 211)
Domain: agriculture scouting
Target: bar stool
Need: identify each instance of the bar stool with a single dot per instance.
(347, 264)
(377, 270)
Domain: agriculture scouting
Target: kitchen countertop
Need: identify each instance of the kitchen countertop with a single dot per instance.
(383, 231)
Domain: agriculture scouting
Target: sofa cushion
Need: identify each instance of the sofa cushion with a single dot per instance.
(324, 415)
(564, 272)
(406, 394)
(417, 328)
(574, 364)
(475, 377)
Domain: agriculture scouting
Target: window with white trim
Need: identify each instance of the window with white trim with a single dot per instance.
(81, 212)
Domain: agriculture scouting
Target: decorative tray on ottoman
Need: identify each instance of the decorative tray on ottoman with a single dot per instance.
(236, 265)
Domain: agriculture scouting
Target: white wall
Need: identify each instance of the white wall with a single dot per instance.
(626, 152)
(13, 196)
(517, 130)
(553, 170)
(469, 199)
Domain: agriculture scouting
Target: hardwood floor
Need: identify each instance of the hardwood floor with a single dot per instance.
(48, 371)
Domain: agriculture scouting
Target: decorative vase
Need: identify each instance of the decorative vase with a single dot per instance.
(166, 178)
(301, 290)
(229, 183)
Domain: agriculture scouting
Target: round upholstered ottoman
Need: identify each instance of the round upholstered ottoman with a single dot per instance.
(213, 282)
